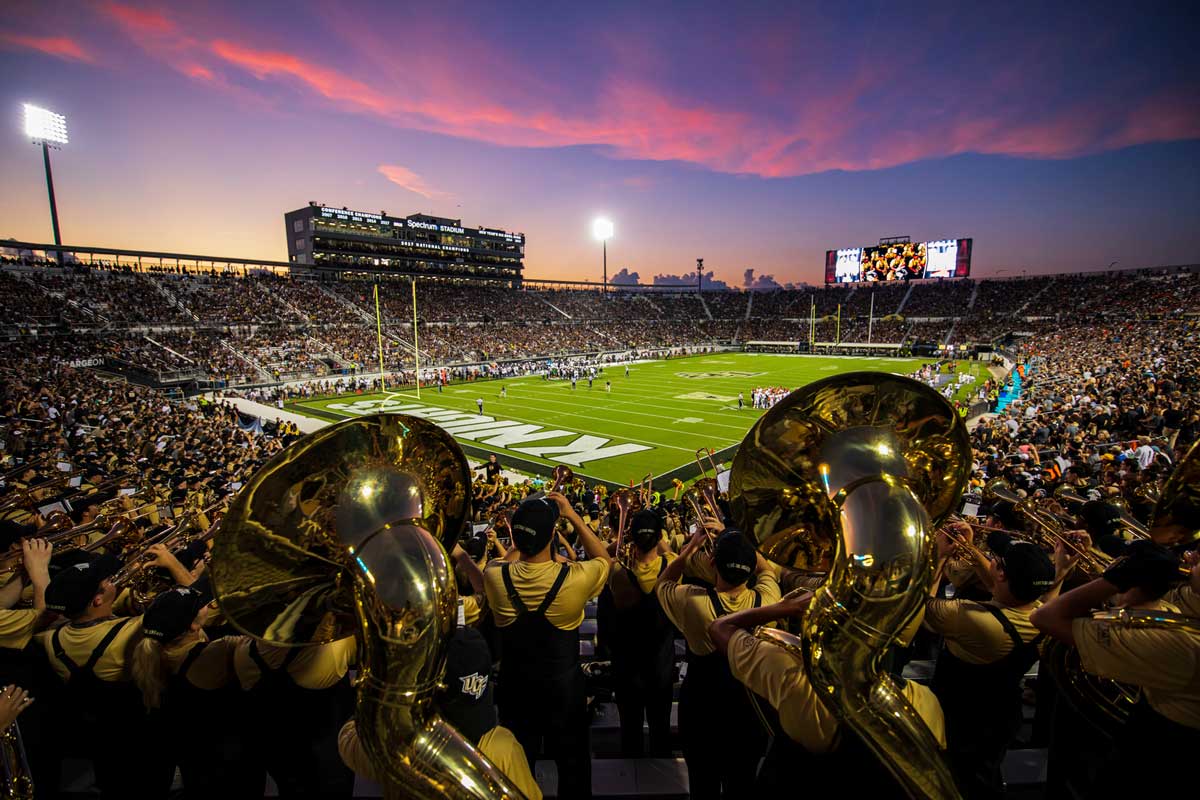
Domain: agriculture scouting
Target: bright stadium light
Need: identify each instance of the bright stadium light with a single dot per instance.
(602, 229)
(49, 130)
(44, 126)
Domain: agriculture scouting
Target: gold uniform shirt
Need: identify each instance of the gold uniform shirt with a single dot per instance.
(213, 668)
(16, 627)
(79, 642)
(584, 581)
(1165, 663)
(646, 573)
(1183, 598)
(498, 745)
(473, 605)
(316, 666)
(973, 634)
(690, 610)
(776, 675)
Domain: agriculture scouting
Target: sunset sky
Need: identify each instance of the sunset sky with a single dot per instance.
(1060, 136)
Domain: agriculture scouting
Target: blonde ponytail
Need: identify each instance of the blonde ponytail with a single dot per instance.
(150, 671)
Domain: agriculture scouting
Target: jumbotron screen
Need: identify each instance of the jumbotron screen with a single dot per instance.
(903, 261)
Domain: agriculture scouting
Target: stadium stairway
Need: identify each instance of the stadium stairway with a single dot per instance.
(704, 305)
(904, 300)
(974, 294)
(1010, 392)
(749, 305)
(349, 304)
(171, 298)
(556, 308)
(1033, 297)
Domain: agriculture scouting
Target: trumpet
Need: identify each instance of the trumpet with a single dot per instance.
(1048, 530)
(562, 476)
(145, 584)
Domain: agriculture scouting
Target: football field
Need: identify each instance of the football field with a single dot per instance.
(652, 421)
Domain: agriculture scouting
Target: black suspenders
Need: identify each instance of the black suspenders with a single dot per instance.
(74, 669)
(719, 608)
(1009, 628)
(515, 598)
(190, 659)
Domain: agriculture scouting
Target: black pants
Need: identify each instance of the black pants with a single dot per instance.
(721, 761)
(652, 704)
(561, 734)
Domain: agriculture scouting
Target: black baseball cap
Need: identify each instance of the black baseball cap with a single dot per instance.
(734, 557)
(466, 702)
(1028, 570)
(533, 525)
(646, 529)
(73, 588)
(172, 613)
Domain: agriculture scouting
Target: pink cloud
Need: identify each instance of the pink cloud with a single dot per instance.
(199, 72)
(405, 178)
(57, 46)
(489, 96)
(139, 20)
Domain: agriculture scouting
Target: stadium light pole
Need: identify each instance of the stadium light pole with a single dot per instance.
(602, 229)
(48, 129)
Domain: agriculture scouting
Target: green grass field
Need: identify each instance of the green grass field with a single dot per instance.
(652, 421)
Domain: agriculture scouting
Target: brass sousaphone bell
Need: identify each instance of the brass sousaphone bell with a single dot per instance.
(851, 474)
(344, 533)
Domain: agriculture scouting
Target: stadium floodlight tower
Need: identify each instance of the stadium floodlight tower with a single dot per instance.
(602, 229)
(48, 129)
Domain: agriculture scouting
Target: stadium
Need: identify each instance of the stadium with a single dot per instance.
(410, 505)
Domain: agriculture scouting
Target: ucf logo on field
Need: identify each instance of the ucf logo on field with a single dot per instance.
(722, 374)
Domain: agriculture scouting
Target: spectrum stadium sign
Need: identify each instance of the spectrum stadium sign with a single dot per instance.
(899, 261)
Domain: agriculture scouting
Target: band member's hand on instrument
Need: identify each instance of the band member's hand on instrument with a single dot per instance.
(1065, 559)
(160, 556)
(712, 524)
(35, 556)
(591, 544)
(946, 544)
(792, 605)
(13, 700)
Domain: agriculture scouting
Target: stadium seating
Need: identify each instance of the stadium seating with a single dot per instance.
(257, 328)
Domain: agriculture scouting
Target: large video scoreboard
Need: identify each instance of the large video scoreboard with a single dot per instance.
(899, 261)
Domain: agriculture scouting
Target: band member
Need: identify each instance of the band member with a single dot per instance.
(17, 626)
(807, 732)
(641, 640)
(741, 402)
(92, 655)
(988, 648)
(467, 704)
(538, 606)
(192, 680)
(1165, 724)
(723, 740)
(479, 404)
(298, 699)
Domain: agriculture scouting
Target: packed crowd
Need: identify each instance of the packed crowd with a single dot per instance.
(266, 328)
